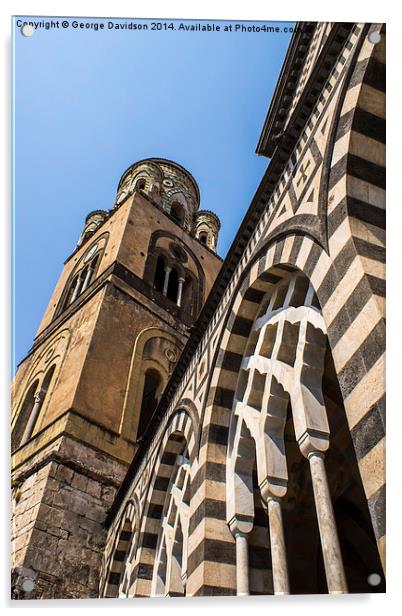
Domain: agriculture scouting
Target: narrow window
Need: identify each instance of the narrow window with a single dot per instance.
(159, 278)
(173, 286)
(24, 415)
(150, 399)
(177, 212)
(203, 236)
(140, 185)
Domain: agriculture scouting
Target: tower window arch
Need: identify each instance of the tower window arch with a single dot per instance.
(177, 212)
(83, 278)
(30, 409)
(203, 237)
(140, 184)
(153, 383)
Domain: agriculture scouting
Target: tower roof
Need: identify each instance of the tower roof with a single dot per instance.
(167, 163)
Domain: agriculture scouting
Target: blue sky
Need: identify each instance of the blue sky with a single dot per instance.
(88, 104)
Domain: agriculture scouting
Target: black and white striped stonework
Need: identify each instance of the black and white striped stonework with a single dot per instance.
(345, 264)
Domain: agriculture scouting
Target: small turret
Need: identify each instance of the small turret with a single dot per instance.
(92, 222)
(206, 228)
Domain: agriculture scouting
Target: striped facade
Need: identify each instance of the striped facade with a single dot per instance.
(318, 215)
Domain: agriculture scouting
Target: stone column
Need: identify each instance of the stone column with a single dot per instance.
(86, 279)
(334, 570)
(180, 291)
(77, 290)
(278, 550)
(166, 282)
(242, 582)
(38, 397)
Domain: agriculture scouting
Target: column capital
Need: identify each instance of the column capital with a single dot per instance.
(241, 525)
(273, 487)
(316, 454)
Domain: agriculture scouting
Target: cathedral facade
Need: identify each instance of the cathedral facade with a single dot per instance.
(184, 426)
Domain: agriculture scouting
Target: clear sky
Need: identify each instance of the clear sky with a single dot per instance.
(87, 104)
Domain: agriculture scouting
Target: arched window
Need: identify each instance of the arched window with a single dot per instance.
(203, 237)
(30, 409)
(173, 285)
(25, 412)
(150, 398)
(82, 279)
(140, 184)
(159, 278)
(177, 212)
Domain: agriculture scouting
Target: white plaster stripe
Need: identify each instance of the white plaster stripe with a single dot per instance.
(351, 98)
(340, 148)
(304, 252)
(343, 291)
(369, 193)
(339, 238)
(356, 333)
(336, 194)
(367, 148)
(369, 233)
(372, 101)
(372, 468)
(287, 247)
(372, 267)
(366, 393)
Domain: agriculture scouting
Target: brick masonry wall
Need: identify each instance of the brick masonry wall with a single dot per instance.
(58, 515)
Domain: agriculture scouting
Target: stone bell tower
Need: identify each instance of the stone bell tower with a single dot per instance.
(84, 394)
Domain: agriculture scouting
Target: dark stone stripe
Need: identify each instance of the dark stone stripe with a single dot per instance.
(209, 508)
(271, 278)
(366, 171)
(377, 284)
(141, 571)
(213, 550)
(376, 504)
(148, 540)
(337, 172)
(278, 251)
(294, 253)
(369, 430)
(356, 209)
(119, 555)
(125, 535)
(363, 359)
(216, 434)
(206, 590)
(224, 397)
(312, 259)
(345, 124)
(168, 458)
(369, 125)
(254, 295)
(161, 483)
(349, 311)
(369, 250)
(114, 578)
(375, 75)
(154, 511)
(336, 217)
(241, 326)
(209, 471)
(366, 212)
(336, 272)
(230, 361)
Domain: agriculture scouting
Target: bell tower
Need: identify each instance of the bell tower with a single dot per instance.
(83, 396)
